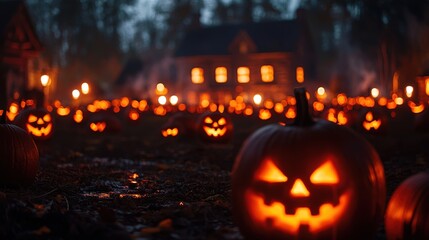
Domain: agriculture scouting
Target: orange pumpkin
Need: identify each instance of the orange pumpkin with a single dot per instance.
(215, 127)
(36, 121)
(310, 179)
(19, 161)
(407, 214)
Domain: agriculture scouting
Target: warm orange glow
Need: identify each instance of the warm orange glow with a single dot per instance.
(290, 113)
(391, 104)
(269, 104)
(342, 119)
(267, 73)
(170, 132)
(160, 89)
(197, 75)
(39, 126)
(427, 86)
(369, 116)
(248, 111)
(300, 74)
(98, 127)
(260, 213)
(399, 101)
(342, 99)
(370, 123)
(279, 108)
(133, 115)
(382, 101)
(125, 102)
(264, 114)
(63, 111)
(325, 174)
(221, 75)
(369, 102)
(213, 107)
(299, 189)
(318, 106)
(243, 75)
(160, 111)
(331, 116)
(142, 105)
(13, 111)
(78, 116)
(181, 107)
(416, 108)
(268, 172)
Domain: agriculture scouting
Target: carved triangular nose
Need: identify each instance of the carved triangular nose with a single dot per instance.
(299, 189)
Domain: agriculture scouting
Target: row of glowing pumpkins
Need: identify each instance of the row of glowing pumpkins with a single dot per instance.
(102, 119)
(281, 189)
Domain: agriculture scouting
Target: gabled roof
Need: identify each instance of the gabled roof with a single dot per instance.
(8, 9)
(270, 36)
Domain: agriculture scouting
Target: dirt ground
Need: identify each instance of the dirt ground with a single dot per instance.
(136, 184)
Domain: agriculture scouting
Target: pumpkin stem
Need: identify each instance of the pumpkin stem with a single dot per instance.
(303, 117)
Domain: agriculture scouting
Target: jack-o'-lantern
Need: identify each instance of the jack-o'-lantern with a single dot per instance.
(407, 214)
(306, 180)
(179, 124)
(215, 127)
(101, 122)
(373, 121)
(38, 122)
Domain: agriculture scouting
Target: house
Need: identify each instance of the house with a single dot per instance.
(19, 46)
(221, 62)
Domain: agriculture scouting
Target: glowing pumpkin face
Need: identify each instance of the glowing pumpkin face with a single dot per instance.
(215, 127)
(37, 122)
(303, 199)
(307, 180)
(178, 125)
(101, 122)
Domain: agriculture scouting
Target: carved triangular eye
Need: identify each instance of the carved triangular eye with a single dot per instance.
(208, 120)
(222, 121)
(269, 172)
(32, 118)
(47, 118)
(325, 174)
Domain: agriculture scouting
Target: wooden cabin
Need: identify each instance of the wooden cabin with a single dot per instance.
(19, 46)
(222, 62)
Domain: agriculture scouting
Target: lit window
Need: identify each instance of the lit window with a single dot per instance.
(221, 74)
(267, 73)
(300, 74)
(243, 75)
(197, 75)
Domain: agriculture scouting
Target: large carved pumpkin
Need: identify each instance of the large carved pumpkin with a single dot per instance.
(36, 121)
(308, 180)
(407, 214)
(19, 156)
(215, 127)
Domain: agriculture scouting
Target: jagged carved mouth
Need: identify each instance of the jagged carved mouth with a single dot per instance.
(275, 214)
(214, 132)
(39, 131)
